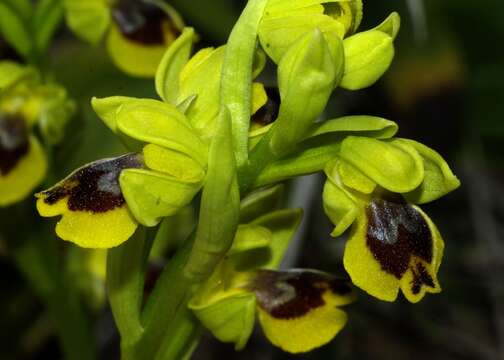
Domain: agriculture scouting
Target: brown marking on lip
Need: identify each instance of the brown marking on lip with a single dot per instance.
(142, 22)
(395, 233)
(14, 142)
(269, 111)
(94, 187)
(292, 294)
(421, 277)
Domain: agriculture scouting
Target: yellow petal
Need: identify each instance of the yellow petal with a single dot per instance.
(298, 308)
(22, 179)
(94, 212)
(394, 246)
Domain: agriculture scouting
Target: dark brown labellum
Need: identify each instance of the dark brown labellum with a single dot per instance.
(269, 111)
(142, 22)
(14, 141)
(395, 233)
(292, 294)
(94, 187)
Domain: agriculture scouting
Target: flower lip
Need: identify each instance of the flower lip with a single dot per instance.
(395, 233)
(292, 294)
(268, 113)
(94, 187)
(14, 142)
(142, 22)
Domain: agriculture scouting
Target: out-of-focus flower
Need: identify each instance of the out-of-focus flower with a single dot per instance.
(26, 103)
(138, 31)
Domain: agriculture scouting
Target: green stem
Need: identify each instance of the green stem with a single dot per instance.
(168, 299)
(187, 330)
(125, 282)
(37, 259)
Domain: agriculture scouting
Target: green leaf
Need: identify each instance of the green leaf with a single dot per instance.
(392, 164)
(260, 202)
(151, 196)
(439, 180)
(47, 17)
(174, 59)
(367, 56)
(15, 30)
(282, 224)
(360, 125)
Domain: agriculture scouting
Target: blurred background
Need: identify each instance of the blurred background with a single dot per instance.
(445, 89)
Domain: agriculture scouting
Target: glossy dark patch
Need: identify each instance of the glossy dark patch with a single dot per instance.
(14, 143)
(94, 187)
(269, 111)
(142, 22)
(395, 233)
(421, 277)
(291, 294)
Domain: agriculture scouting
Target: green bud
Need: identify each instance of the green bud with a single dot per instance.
(55, 111)
(439, 180)
(367, 56)
(151, 196)
(11, 73)
(174, 59)
(285, 21)
(306, 78)
(392, 164)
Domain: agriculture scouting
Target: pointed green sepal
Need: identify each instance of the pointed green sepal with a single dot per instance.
(174, 59)
(390, 25)
(439, 180)
(361, 125)
(230, 318)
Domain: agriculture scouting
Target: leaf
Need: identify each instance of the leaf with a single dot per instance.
(47, 17)
(15, 29)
